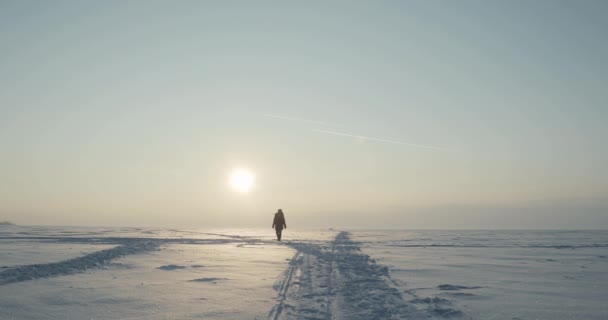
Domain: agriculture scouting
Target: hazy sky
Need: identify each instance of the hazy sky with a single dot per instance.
(478, 114)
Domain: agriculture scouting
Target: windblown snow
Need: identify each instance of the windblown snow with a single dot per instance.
(130, 273)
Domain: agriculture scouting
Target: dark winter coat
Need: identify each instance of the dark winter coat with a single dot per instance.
(279, 221)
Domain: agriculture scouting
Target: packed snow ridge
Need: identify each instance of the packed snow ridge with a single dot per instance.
(76, 265)
(125, 246)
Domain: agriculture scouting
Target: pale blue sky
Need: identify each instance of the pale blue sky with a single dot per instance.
(136, 112)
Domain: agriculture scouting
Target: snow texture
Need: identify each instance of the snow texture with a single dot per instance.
(339, 282)
(132, 273)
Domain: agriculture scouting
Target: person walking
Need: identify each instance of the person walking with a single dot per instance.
(279, 223)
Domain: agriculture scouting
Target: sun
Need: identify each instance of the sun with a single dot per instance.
(241, 180)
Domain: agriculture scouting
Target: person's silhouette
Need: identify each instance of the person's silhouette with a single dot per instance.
(279, 223)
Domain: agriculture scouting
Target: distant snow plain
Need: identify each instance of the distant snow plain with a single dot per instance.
(145, 273)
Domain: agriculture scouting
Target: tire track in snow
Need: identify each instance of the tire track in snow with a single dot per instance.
(283, 286)
(304, 292)
(338, 281)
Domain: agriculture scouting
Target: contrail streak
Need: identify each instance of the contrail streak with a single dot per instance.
(323, 123)
(380, 140)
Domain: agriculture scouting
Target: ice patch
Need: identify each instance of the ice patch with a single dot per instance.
(462, 294)
(450, 287)
(434, 300)
(208, 279)
(171, 267)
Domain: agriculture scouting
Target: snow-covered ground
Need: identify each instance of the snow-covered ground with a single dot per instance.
(132, 273)
(498, 274)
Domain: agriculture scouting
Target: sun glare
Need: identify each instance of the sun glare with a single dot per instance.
(241, 180)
